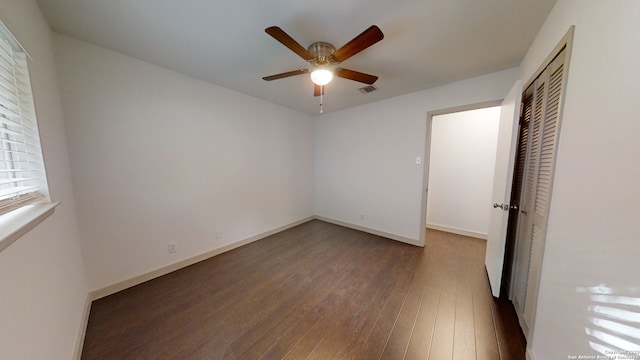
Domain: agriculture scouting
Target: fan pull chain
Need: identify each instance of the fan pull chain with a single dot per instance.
(321, 97)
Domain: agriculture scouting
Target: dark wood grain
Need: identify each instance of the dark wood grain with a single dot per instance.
(286, 74)
(286, 40)
(372, 35)
(355, 75)
(316, 291)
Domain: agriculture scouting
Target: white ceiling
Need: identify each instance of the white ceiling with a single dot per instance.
(427, 42)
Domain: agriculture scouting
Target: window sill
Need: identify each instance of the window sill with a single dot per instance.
(18, 222)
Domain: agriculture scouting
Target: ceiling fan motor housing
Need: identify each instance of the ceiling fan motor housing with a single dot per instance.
(321, 52)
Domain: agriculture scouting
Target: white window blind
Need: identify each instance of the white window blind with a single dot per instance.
(22, 175)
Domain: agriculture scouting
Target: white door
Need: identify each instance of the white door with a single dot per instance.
(502, 179)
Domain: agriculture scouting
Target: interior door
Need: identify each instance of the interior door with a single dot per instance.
(502, 179)
(516, 194)
(544, 126)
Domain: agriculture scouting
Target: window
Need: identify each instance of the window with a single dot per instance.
(22, 175)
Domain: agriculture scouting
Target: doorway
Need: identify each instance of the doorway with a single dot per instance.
(459, 163)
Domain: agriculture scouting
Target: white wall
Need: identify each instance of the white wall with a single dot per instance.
(593, 238)
(365, 156)
(42, 282)
(461, 164)
(159, 158)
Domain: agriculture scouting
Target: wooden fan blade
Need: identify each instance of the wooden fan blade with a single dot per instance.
(317, 90)
(355, 75)
(367, 38)
(288, 41)
(286, 74)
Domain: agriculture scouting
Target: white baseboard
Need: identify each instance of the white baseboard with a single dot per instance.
(371, 231)
(457, 231)
(83, 328)
(119, 286)
(114, 288)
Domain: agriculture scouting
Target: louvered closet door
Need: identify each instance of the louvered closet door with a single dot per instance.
(524, 240)
(538, 176)
(525, 188)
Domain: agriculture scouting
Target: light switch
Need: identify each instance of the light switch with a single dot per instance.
(419, 160)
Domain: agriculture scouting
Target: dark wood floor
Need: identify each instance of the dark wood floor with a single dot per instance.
(317, 291)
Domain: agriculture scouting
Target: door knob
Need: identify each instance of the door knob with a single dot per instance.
(503, 206)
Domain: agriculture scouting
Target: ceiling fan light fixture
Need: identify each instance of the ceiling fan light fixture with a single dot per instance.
(321, 76)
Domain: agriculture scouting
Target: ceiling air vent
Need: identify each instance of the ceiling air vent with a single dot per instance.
(368, 89)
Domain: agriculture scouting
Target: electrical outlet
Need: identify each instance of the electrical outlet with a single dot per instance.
(172, 248)
(218, 234)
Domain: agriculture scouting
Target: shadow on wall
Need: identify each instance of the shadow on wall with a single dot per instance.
(614, 321)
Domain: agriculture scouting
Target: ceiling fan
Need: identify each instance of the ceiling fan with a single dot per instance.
(323, 57)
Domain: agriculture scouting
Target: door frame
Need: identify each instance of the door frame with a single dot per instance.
(427, 154)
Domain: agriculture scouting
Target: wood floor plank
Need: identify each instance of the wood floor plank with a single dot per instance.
(372, 346)
(442, 343)
(305, 345)
(316, 291)
(486, 342)
(422, 336)
(344, 320)
(357, 343)
(464, 334)
(511, 341)
(398, 340)
(365, 297)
